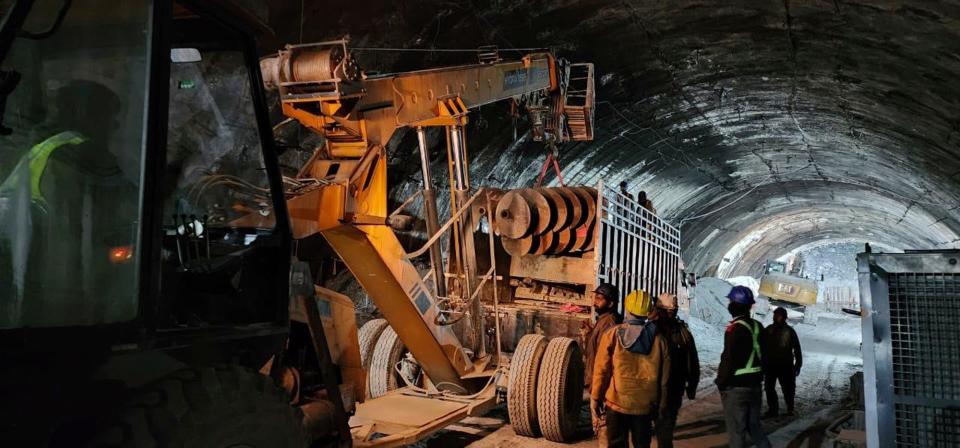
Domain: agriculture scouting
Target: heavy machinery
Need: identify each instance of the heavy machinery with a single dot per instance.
(340, 194)
(557, 252)
(128, 316)
(145, 276)
(788, 288)
(440, 345)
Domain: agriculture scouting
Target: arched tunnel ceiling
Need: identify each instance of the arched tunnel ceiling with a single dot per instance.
(778, 122)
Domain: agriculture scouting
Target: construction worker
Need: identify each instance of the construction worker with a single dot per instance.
(630, 376)
(624, 191)
(86, 115)
(684, 366)
(740, 372)
(783, 361)
(42, 201)
(605, 299)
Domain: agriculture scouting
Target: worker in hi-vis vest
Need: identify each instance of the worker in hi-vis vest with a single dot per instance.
(60, 197)
(30, 168)
(86, 117)
(740, 374)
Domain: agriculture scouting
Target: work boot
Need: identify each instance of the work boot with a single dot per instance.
(790, 413)
(771, 413)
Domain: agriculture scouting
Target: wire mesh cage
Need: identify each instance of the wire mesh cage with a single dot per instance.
(911, 345)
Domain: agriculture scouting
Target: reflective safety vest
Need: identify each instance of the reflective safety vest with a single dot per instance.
(750, 368)
(35, 162)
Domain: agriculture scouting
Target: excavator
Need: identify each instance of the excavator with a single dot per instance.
(788, 287)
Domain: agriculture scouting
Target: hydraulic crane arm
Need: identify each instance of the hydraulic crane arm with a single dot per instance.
(321, 86)
(414, 94)
(341, 191)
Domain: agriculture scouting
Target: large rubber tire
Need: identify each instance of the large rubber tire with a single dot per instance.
(522, 385)
(382, 375)
(560, 390)
(368, 336)
(209, 407)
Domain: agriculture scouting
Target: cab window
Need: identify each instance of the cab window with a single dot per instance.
(220, 251)
(70, 168)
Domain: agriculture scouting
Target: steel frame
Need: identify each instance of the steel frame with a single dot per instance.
(635, 248)
(882, 354)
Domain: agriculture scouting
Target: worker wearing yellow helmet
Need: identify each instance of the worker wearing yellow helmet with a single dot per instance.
(629, 387)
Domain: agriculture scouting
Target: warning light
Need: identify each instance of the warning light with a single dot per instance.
(121, 254)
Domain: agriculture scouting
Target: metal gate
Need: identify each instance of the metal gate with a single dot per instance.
(635, 248)
(911, 348)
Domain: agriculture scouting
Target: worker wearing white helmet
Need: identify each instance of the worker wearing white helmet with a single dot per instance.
(629, 387)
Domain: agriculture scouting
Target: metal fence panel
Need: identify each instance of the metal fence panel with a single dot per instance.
(911, 348)
(635, 248)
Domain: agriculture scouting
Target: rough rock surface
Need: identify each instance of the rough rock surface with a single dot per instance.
(787, 122)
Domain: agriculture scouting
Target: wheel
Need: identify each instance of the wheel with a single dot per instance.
(560, 389)
(522, 385)
(382, 375)
(368, 335)
(210, 407)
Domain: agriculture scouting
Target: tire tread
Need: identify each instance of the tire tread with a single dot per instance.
(381, 375)
(522, 385)
(561, 370)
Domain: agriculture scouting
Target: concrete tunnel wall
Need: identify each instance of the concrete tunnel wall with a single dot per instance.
(772, 124)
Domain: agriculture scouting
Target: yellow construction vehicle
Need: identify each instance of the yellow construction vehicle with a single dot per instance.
(440, 345)
(340, 193)
(787, 288)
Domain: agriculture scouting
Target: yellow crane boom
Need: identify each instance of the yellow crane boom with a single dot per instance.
(345, 194)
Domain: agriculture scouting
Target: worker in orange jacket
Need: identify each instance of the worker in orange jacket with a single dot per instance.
(605, 299)
(630, 376)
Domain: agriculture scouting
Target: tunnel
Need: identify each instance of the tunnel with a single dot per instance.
(762, 130)
(760, 126)
(240, 243)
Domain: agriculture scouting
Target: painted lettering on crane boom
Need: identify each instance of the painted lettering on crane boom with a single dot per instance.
(515, 79)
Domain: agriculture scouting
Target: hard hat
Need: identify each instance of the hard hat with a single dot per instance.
(667, 301)
(637, 303)
(610, 292)
(780, 310)
(741, 295)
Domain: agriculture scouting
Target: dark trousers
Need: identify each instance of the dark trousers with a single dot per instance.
(741, 411)
(788, 384)
(667, 420)
(620, 426)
